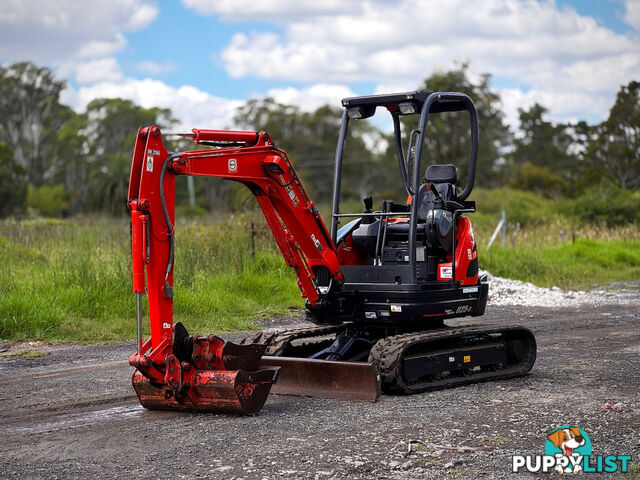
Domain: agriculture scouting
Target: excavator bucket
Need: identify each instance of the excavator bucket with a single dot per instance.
(305, 377)
(204, 373)
(224, 391)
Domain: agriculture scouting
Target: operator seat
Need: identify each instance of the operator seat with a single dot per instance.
(434, 225)
(444, 178)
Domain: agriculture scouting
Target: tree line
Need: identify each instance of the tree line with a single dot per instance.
(58, 162)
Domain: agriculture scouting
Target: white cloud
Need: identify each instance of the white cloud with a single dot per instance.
(99, 48)
(404, 38)
(632, 14)
(193, 108)
(155, 68)
(99, 70)
(268, 9)
(555, 56)
(559, 56)
(51, 32)
(313, 97)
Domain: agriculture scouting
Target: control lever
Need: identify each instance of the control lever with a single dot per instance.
(440, 203)
(368, 208)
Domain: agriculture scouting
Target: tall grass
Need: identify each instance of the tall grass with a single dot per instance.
(72, 280)
(585, 264)
(557, 231)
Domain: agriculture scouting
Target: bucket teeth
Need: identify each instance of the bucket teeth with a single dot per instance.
(242, 356)
(245, 354)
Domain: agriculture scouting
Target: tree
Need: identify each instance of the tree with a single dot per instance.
(111, 129)
(616, 144)
(448, 134)
(539, 179)
(31, 117)
(13, 189)
(71, 152)
(558, 148)
(310, 140)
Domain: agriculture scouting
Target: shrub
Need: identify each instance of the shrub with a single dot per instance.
(604, 203)
(48, 200)
(538, 179)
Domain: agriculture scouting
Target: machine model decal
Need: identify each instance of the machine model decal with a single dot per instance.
(317, 242)
(292, 196)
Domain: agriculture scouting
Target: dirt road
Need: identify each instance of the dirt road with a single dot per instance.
(62, 419)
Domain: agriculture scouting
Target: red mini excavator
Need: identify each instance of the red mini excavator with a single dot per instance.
(378, 287)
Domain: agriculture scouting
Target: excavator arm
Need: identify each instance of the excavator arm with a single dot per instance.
(172, 365)
(252, 160)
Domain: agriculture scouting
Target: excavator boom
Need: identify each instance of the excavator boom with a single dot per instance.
(179, 371)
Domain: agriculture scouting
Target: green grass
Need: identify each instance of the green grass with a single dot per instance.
(22, 354)
(71, 280)
(633, 472)
(587, 263)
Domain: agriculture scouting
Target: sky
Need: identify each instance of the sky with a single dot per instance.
(204, 58)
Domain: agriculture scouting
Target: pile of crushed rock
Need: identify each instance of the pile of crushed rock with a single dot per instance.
(503, 291)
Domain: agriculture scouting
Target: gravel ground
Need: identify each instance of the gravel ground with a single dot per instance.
(503, 291)
(73, 413)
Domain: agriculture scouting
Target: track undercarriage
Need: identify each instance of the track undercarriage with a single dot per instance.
(414, 362)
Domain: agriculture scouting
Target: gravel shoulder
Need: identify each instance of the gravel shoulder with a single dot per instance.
(73, 412)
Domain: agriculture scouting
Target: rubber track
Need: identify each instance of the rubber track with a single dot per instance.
(284, 337)
(387, 355)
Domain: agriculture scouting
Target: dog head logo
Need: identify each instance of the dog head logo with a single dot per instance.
(567, 449)
(568, 441)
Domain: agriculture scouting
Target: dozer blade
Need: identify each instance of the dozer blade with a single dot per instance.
(224, 391)
(325, 379)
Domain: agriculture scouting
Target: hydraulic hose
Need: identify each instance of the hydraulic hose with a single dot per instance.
(168, 289)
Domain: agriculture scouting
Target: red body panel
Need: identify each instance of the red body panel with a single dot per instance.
(466, 252)
(347, 254)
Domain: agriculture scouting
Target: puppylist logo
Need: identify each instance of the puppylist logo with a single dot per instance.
(568, 450)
